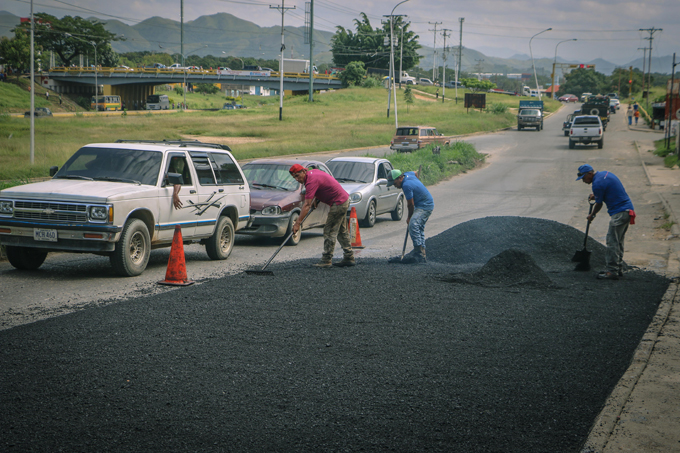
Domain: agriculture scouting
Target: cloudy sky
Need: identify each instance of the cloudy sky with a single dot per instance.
(608, 29)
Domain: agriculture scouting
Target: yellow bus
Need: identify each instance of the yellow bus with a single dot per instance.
(102, 103)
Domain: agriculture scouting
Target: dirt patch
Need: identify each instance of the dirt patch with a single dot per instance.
(224, 140)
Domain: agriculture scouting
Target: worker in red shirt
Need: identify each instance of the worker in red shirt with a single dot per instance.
(322, 186)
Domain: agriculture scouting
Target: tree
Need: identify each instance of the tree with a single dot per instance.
(583, 80)
(369, 45)
(16, 52)
(207, 88)
(474, 85)
(408, 97)
(52, 33)
(353, 74)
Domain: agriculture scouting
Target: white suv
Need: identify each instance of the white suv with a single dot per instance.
(116, 199)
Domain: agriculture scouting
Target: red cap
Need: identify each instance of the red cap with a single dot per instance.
(296, 168)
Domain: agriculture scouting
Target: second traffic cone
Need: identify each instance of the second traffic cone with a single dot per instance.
(354, 235)
(176, 275)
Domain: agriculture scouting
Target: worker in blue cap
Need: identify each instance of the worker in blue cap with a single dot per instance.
(607, 188)
(420, 205)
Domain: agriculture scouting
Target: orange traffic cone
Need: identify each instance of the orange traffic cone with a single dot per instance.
(354, 235)
(176, 275)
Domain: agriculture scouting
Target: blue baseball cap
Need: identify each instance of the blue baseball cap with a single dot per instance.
(582, 170)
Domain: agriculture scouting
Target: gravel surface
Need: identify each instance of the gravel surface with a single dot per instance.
(376, 357)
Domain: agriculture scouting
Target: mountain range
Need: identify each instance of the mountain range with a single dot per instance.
(223, 34)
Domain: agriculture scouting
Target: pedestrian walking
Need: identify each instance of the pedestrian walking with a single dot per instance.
(60, 99)
(436, 95)
(47, 95)
(420, 206)
(607, 189)
(637, 116)
(629, 112)
(326, 189)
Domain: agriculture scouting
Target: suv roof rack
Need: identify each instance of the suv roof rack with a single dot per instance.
(180, 143)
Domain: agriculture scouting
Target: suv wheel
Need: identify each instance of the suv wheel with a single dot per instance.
(219, 245)
(25, 258)
(572, 145)
(369, 220)
(131, 254)
(398, 212)
(600, 144)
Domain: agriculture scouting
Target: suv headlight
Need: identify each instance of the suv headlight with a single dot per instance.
(6, 207)
(271, 210)
(99, 213)
(355, 197)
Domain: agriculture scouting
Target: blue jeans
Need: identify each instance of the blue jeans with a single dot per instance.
(630, 120)
(416, 226)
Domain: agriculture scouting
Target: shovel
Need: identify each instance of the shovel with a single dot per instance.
(263, 271)
(582, 257)
(403, 251)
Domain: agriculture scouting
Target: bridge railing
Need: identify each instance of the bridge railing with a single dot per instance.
(104, 71)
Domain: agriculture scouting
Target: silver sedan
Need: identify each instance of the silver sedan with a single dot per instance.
(365, 180)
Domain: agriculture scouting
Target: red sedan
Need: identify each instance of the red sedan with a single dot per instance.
(568, 98)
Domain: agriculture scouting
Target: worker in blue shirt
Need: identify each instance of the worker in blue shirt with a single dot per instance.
(420, 206)
(607, 188)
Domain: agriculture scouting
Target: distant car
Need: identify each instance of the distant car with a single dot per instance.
(425, 82)
(585, 96)
(568, 98)
(268, 69)
(452, 84)
(252, 68)
(223, 68)
(412, 138)
(229, 106)
(124, 68)
(176, 66)
(615, 103)
(39, 111)
(566, 125)
(365, 180)
(276, 199)
(612, 95)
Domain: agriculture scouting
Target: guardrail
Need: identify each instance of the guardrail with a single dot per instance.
(104, 72)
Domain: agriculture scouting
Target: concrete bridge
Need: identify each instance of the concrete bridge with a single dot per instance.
(135, 84)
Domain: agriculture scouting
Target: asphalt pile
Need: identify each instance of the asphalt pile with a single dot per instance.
(374, 357)
(507, 269)
(551, 244)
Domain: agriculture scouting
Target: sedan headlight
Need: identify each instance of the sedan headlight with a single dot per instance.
(271, 210)
(99, 213)
(355, 197)
(6, 207)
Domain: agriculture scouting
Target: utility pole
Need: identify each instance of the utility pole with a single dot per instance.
(478, 67)
(460, 54)
(310, 36)
(444, 50)
(31, 86)
(283, 10)
(401, 51)
(649, 69)
(644, 66)
(434, 48)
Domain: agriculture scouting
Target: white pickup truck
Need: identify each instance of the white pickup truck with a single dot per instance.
(586, 129)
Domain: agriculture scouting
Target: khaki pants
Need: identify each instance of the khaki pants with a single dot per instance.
(618, 225)
(336, 229)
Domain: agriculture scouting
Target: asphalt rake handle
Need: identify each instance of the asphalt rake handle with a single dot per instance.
(265, 272)
(583, 256)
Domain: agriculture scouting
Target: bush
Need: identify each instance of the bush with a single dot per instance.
(497, 108)
(84, 102)
(354, 73)
(371, 82)
(207, 88)
(179, 90)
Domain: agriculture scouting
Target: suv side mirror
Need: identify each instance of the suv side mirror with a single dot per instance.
(175, 178)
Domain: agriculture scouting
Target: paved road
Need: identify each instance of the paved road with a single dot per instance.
(527, 174)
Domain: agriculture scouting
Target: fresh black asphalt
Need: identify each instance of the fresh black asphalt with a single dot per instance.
(379, 357)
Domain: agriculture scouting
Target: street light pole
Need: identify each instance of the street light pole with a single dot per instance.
(392, 85)
(32, 88)
(532, 60)
(555, 62)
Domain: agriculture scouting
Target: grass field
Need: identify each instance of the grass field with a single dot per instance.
(340, 119)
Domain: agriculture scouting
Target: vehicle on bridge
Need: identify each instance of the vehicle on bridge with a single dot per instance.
(122, 199)
(105, 103)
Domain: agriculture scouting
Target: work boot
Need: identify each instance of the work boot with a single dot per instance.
(420, 254)
(324, 263)
(347, 261)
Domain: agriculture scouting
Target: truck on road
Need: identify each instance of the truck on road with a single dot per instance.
(597, 105)
(586, 129)
(530, 115)
(297, 66)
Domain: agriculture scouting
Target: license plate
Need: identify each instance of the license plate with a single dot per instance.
(45, 235)
(404, 143)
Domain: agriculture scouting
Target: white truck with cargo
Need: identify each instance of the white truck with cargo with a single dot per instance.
(297, 66)
(586, 130)
(530, 115)
(116, 199)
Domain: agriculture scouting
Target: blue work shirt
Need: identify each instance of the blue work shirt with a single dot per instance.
(414, 189)
(607, 188)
